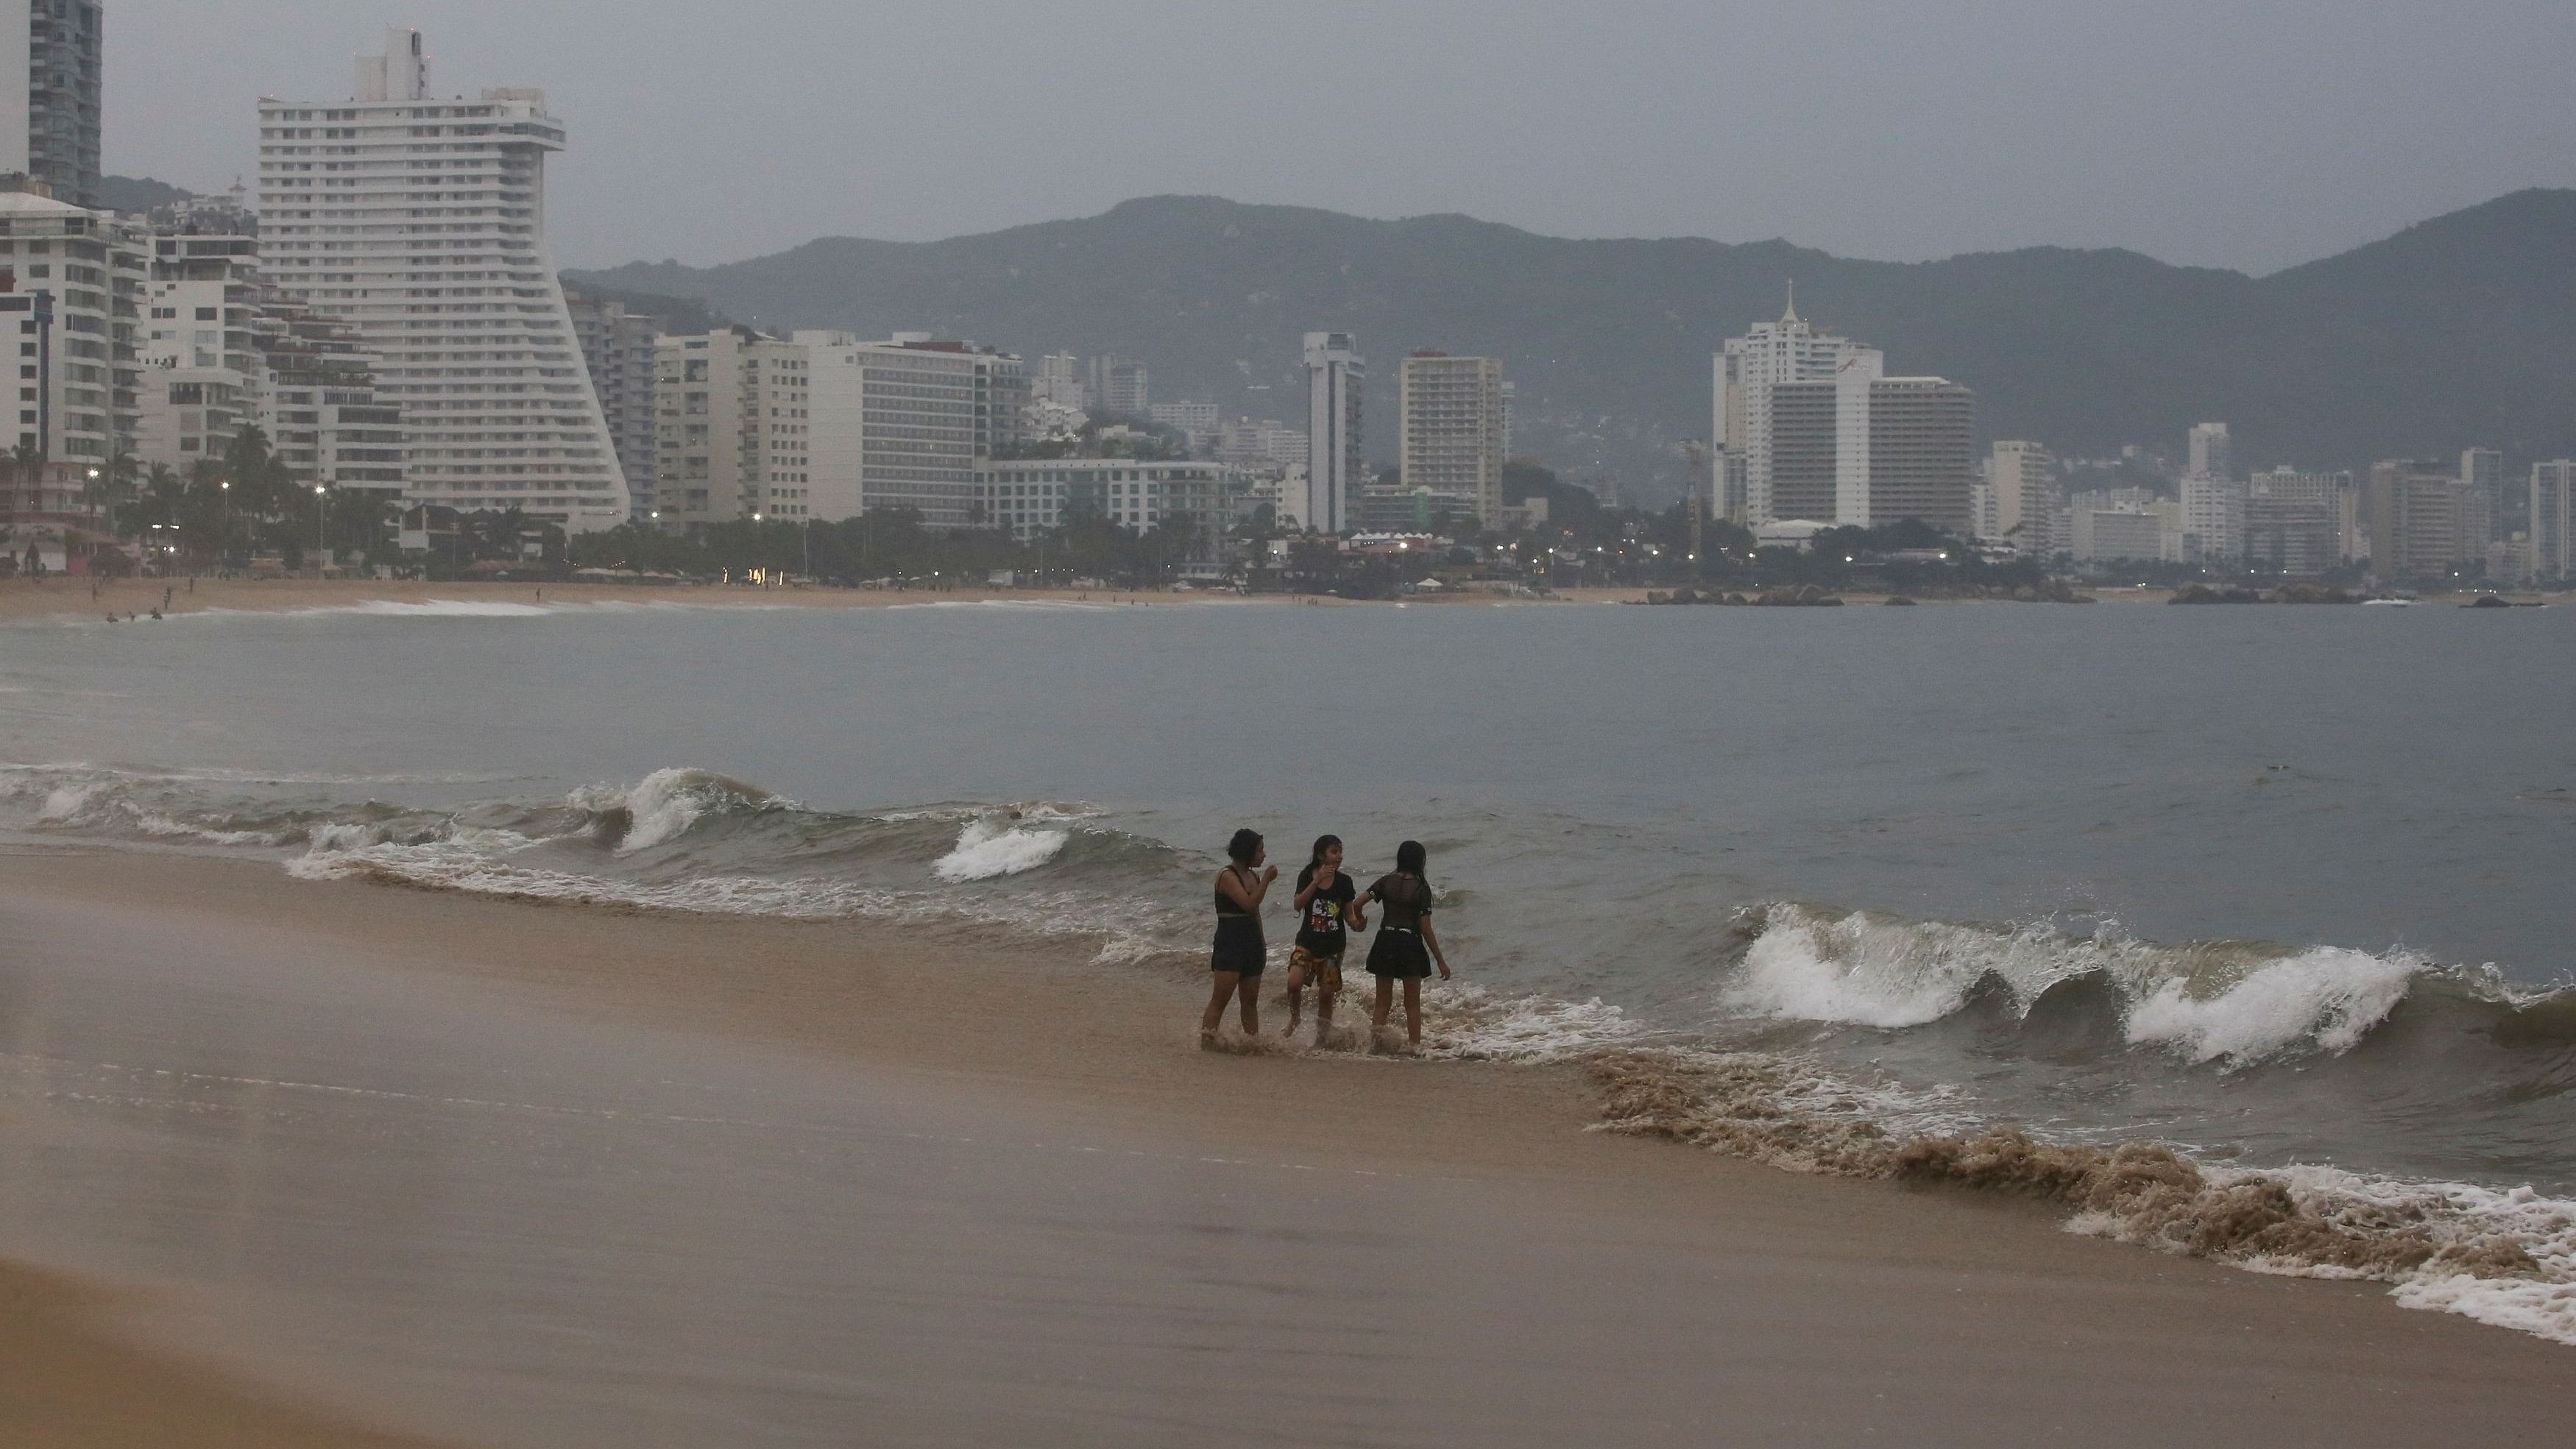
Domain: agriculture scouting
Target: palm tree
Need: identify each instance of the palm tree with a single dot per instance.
(27, 466)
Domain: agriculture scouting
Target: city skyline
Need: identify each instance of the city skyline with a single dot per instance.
(2012, 128)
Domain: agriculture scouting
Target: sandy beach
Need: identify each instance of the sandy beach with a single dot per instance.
(498, 1172)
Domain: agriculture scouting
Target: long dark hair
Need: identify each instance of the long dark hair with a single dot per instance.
(1244, 846)
(1410, 858)
(1315, 862)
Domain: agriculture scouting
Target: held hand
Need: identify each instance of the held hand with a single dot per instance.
(1269, 873)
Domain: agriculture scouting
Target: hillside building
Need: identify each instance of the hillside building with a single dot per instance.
(420, 219)
(1120, 385)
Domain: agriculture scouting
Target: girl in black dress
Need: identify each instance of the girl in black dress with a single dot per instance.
(1406, 948)
(1236, 956)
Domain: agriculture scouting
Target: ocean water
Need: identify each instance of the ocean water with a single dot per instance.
(2284, 888)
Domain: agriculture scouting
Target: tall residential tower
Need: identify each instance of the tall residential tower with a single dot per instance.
(1336, 467)
(1450, 412)
(49, 55)
(421, 220)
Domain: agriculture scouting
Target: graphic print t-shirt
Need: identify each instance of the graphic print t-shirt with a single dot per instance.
(1320, 929)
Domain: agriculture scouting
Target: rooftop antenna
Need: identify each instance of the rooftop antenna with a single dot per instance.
(1791, 315)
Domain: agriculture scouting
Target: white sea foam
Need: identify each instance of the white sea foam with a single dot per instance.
(2326, 995)
(987, 848)
(1471, 1022)
(2208, 1002)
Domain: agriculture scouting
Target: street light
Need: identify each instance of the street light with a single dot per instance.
(319, 516)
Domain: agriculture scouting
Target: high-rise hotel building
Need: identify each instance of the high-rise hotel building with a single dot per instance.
(1336, 465)
(421, 221)
(1824, 435)
(49, 55)
(1450, 413)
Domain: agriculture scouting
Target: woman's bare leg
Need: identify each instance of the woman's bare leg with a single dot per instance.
(1226, 982)
(1385, 1002)
(1325, 996)
(1413, 1009)
(1297, 997)
(1249, 988)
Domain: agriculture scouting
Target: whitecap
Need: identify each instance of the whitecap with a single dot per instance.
(989, 848)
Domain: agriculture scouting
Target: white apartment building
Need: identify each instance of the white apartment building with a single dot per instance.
(75, 303)
(2023, 479)
(1198, 420)
(50, 52)
(908, 421)
(1336, 465)
(2129, 530)
(2211, 454)
(1262, 443)
(2213, 510)
(421, 220)
(1746, 402)
(1901, 446)
(1450, 420)
(202, 373)
(1059, 380)
(732, 437)
(1120, 385)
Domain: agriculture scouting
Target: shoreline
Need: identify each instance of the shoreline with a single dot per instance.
(1985, 1316)
(67, 598)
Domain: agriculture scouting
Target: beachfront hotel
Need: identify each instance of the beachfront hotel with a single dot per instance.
(421, 220)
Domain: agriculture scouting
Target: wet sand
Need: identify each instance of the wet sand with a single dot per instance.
(509, 1173)
(66, 1379)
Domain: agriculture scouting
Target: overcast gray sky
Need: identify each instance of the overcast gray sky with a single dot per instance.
(2244, 133)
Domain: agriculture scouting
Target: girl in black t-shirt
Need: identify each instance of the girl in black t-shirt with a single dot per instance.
(1323, 894)
(1406, 946)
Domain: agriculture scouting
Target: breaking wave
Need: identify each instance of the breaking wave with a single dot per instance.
(987, 848)
(2230, 1002)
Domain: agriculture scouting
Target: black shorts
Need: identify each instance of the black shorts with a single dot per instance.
(1399, 954)
(1238, 947)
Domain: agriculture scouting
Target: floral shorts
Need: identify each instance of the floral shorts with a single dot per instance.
(1324, 971)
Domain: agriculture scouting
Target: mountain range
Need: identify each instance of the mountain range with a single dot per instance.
(2457, 332)
(2460, 331)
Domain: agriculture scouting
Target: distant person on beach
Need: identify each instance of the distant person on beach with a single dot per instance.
(1323, 895)
(1405, 947)
(1237, 955)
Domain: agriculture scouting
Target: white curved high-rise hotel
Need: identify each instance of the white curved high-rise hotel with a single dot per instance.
(420, 219)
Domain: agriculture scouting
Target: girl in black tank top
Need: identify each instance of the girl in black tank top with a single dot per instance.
(1406, 946)
(1235, 956)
